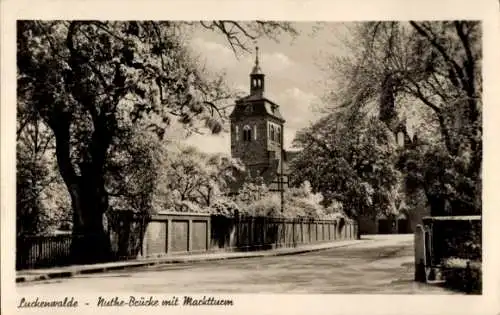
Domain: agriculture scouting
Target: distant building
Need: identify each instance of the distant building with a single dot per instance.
(407, 214)
(257, 135)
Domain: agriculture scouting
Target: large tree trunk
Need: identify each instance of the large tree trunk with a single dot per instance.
(91, 243)
(89, 198)
(387, 109)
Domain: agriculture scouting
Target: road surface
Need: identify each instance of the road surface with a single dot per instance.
(382, 265)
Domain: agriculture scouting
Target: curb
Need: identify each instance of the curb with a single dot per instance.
(173, 260)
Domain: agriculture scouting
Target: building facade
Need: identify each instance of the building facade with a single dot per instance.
(257, 135)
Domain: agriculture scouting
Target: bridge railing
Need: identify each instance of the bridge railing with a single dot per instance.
(168, 233)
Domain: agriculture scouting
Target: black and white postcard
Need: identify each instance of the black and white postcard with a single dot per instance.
(249, 157)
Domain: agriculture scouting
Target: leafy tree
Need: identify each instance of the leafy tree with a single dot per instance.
(354, 165)
(220, 173)
(303, 202)
(253, 189)
(429, 72)
(191, 180)
(31, 177)
(41, 205)
(93, 82)
(132, 172)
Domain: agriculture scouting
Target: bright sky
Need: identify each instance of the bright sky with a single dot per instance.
(293, 68)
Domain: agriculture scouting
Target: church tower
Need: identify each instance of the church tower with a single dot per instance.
(257, 129)
(257, 77)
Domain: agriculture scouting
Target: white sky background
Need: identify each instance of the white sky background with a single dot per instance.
(293, 69)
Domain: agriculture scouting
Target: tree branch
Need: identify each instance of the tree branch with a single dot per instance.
(458, 70)
(469, 67)
(418, 93)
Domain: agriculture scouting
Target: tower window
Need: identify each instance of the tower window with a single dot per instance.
(272, 133)
(255, 132)
(247, 133)
(278, 134)
(237, 133)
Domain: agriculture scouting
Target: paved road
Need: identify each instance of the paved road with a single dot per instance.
(383, 265)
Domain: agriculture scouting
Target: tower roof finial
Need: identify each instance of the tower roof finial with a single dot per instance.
(256, 68)
(256, 55)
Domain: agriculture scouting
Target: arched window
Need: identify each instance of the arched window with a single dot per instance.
(247, 133)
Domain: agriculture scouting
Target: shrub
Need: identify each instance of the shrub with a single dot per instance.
(251, 192)
(188, 206)
(455, 262)
(335, 206)
(463, 275)
(268, 206)
(300, 202)
(335, 216)
(304, 207)
(224, 207)
(457, 237)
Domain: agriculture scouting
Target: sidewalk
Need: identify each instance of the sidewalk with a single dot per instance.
(70, 271)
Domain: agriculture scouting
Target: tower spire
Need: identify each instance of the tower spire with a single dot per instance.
(257, 55)
(257, 76)
(256, 68)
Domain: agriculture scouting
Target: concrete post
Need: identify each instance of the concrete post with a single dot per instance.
(420, 259)
(190, 235)
(209, 230)
(169, 236)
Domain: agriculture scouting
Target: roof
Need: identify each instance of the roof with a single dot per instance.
(257, 70)
(254, 98)
(267, 107)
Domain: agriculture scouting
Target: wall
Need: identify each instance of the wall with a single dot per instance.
(173, 233)
(135, 237)
(370, 225)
